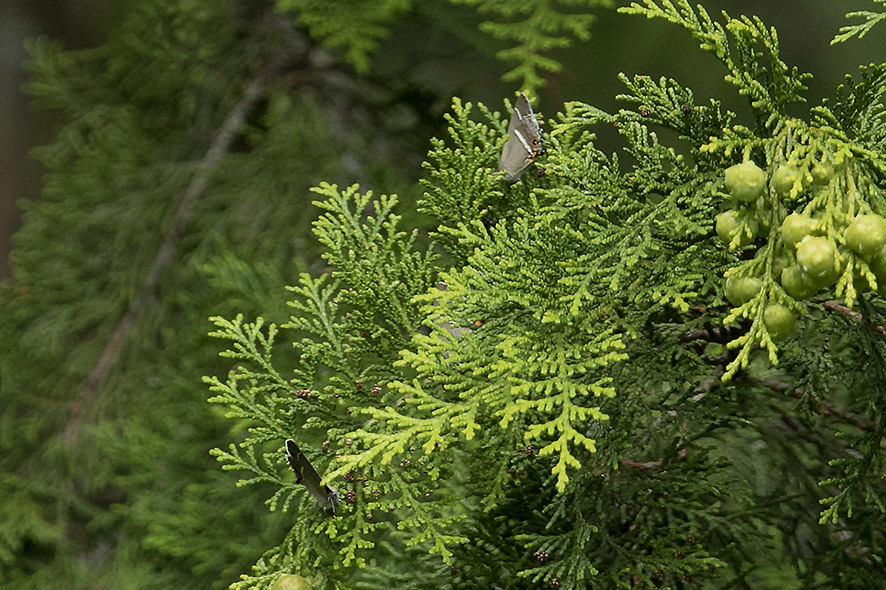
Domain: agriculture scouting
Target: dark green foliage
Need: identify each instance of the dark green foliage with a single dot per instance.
(118, 505)
(533, 29)
(582, 408)
(530, 29)
(356, 25)
(858, 111)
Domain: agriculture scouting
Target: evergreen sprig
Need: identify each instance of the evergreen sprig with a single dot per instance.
(357, 26)
(459, 188)
(871, 18)
(857, 111)
(862, 470)
(576, 393)
(346, 332)
(532, 29)
(760, 75)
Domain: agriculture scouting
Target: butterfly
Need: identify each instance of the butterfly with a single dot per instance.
(327, 496)
(524, 142)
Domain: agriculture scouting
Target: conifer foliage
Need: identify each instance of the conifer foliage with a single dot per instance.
(528, 29)
(585, 381)
(175, 190)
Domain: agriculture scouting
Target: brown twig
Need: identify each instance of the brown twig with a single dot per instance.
(217, 149)
(640, 464)
(851, 313)
(681, 455)
(722, 335)
(823, 407)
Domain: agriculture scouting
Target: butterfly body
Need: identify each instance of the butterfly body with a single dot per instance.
(305, 474)
(524, 142)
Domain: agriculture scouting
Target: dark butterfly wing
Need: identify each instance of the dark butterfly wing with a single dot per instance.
(305, 474)
(524, 142)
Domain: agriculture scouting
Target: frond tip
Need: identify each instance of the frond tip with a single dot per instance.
(870, 19)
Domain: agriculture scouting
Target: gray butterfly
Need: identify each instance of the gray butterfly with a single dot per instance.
(327, 496)
(524, 143)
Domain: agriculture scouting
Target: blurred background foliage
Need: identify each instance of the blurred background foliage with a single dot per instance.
(105, 479)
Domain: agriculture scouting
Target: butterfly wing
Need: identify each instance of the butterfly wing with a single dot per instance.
(524, 117)
(514, 159)
(305, 474)
(524, 142)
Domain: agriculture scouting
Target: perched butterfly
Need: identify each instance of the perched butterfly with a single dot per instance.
(524, 143)
(327, 496)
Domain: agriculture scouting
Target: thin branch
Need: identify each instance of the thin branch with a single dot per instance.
(640, 464)
(824, 408)
(843, 310)
(717, 334)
